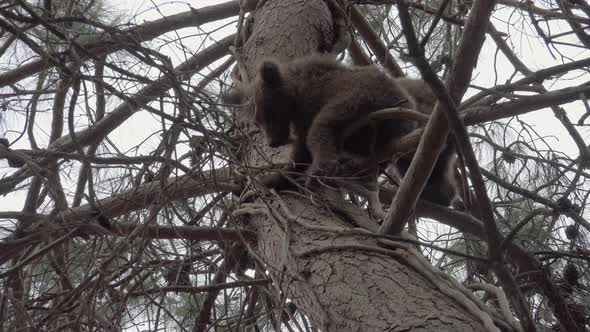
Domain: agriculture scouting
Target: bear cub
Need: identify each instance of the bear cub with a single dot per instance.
(318, 99)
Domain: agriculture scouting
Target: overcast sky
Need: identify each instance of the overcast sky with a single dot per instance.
(142, 124)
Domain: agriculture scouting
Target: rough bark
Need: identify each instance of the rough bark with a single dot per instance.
(347, 282)
(342, 280)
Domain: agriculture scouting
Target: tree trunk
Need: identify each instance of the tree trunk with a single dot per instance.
(343, 279)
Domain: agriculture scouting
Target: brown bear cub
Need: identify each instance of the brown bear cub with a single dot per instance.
(319, 98)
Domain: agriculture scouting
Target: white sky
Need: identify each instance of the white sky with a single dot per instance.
(142, 124)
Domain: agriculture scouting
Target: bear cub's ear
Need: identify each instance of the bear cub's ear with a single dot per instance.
(271, 74)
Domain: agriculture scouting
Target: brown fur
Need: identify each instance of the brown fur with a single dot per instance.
(319, 98)
(441, 187)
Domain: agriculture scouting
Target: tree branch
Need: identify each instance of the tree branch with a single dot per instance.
(113, 41)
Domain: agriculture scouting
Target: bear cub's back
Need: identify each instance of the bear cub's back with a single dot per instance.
(317, 80)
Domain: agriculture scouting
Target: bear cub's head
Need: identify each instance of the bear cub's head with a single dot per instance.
(274, 105)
